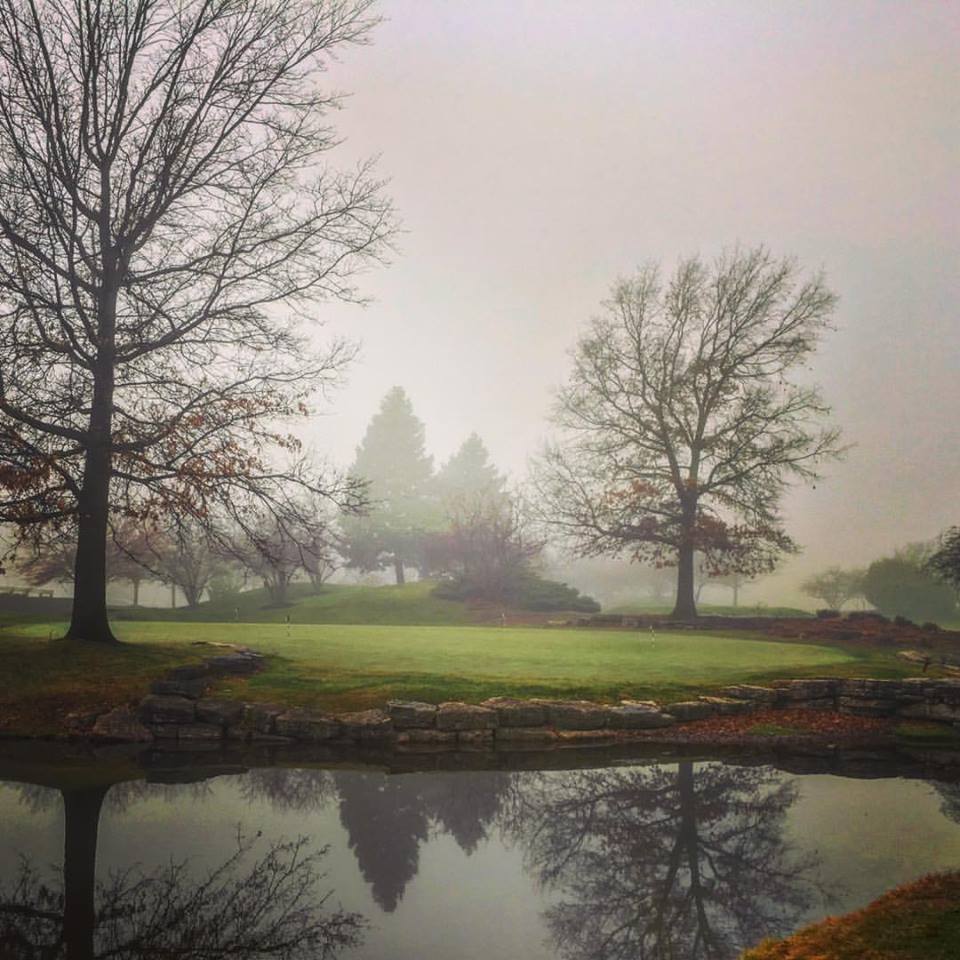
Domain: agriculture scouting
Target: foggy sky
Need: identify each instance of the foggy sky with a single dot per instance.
(538, 150)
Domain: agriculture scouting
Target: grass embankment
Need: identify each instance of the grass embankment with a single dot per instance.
(918, 921)
(343, 664)
(344, 667)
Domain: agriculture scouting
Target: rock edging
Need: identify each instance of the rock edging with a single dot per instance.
(177, 710)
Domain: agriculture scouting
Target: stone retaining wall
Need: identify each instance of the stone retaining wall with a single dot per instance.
(177, 710)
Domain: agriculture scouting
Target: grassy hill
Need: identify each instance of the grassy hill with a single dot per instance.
(412, 603)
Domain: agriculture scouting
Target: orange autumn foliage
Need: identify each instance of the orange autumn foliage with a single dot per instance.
(916, 921)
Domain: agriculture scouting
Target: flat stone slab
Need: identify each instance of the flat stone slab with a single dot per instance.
(162, 709)
(475, 738)
(526, 734)
(222, 712)
(300, 725)
(425, 736)
(690, 710)
(517, 713)
(636, 716)
(575, 714)
(412, 714)
(192, 689)
(235, 663)
(199, 731)
(454, 715)
(866, 706)
(750, 691)
(365, 725)
(261, 717)
(813, 689)
(823, 703)
(729, 706)
(121, 724)
(871, 689)
(949, 712)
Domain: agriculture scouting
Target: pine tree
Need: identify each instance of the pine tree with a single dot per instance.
(469, 473)
(392, 459)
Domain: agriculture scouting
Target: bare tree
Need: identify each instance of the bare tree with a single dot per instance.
(184, 555)
(276, 549)
(835, 586)
(659, 862)
(680, 426)
(166, 225)
(246, 907)
(52, 556)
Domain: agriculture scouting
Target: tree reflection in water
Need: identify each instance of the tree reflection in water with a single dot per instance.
(388, 818)
(661, 862)
(249, 906)
(645, 863)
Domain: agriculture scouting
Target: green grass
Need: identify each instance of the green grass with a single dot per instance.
(42, 680)
(339, 667)
(412, 603)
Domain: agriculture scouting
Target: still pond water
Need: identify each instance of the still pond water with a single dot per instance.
(654, 859)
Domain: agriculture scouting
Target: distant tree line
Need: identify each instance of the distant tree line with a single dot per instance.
(920, 581)
(459, 524)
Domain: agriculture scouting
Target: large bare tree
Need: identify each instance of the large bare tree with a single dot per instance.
(681, 427)
(167, 224)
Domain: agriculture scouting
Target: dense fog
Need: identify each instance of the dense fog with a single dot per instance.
(538, 152)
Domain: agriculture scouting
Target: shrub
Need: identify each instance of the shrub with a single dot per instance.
(527, 592)
(828, 614)
(901, 587)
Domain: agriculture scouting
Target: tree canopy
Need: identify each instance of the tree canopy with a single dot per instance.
(167, 227)
(679, 426)
(945, 560)
(392, 461)
(835, 586)
(469, 473)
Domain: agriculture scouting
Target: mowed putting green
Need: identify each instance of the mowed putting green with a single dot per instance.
(333, 666)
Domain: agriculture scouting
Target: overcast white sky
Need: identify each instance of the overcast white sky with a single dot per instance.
(539, 149)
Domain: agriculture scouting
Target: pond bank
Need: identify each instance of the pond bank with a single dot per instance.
(821, 709)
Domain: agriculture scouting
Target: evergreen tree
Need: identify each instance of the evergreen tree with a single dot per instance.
(469, 473)
(392, 459)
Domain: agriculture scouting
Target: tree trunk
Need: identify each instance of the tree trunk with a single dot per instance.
(736, 592)
(89, 619)
(691, 844)
(136, 592)
(685, 607)
(173, 596)
(686, 604)
(398, 571)
(81, 822)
